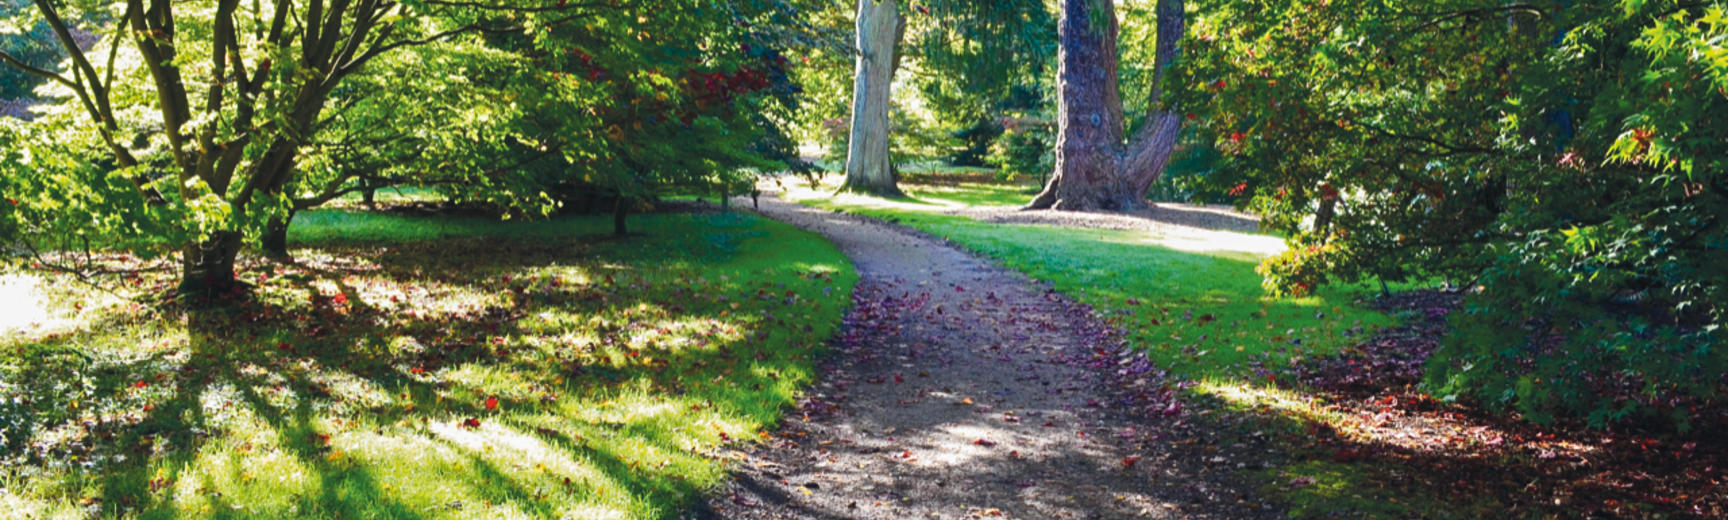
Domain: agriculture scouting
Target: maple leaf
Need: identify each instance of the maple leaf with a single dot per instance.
(491, 403)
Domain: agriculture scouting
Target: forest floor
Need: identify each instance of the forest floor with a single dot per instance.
(1323, 413)
(960, 389)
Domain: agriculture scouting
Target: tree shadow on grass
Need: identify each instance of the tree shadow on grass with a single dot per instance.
(326, 370)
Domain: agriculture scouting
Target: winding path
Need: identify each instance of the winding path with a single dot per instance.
(964, 390)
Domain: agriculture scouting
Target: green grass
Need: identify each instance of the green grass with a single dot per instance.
(357, 385)
(972, 194)
(395, 195)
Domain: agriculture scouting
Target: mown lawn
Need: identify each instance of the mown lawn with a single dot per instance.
(424, 368)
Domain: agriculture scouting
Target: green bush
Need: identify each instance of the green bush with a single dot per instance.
(1025, 149)
(1298, 270)
(1529, 349)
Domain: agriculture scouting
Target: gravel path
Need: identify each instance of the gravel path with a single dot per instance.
(963, 390)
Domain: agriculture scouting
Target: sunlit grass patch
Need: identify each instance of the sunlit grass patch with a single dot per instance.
(435, 368)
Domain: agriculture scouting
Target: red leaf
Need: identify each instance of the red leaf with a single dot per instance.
(1129, 461)
(491, 403)
(471, 423)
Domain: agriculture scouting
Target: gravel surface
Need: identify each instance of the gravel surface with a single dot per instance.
(962, 390)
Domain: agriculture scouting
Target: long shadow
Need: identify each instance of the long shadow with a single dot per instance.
(1209, 219)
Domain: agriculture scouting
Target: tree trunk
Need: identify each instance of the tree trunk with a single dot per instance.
(207, 268)
(620, 209)
(275, 239)
(1095, 169)
(869, 167)
(1323, 217)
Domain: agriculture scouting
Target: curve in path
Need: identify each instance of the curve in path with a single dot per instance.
(962, 390)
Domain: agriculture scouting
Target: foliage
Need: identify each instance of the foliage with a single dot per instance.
(1025, 148)
(1297, 272)
(499, 104)
(1195, 175)
(1569, 157)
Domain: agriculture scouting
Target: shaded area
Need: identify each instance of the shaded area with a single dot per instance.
(533, 372)
(1356, 438)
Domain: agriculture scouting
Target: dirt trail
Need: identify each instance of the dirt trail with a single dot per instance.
(962, 390)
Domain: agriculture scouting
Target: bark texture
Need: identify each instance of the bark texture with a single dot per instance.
(1096, 169)
(869, 168)
(275, 239)
(207, 268)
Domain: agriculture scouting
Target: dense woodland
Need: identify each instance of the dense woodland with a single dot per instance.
(1556, 170)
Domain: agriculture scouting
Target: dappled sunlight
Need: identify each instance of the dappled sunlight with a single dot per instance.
(1402, 421)
(567, 378)
(22, 305)
(530, 462)
(1249, 396)
(27, 507)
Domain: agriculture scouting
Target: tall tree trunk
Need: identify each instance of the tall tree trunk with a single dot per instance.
(1095, 168)
(869, 168)
(207, 267)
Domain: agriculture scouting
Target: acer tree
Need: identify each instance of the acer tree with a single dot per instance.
(214, 122)
(237, 89)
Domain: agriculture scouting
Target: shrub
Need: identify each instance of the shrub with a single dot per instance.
(1548, 357)
(1025, 149)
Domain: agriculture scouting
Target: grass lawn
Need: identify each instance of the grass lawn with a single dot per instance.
(425, 368)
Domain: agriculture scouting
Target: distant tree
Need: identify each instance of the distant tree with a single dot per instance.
(980, 45)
